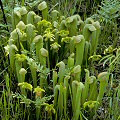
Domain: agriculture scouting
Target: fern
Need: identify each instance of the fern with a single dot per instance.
(109, 10)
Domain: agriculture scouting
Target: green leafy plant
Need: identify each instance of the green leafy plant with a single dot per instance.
(58, 57)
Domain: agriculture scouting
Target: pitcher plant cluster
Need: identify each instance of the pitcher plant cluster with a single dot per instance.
(51, 54)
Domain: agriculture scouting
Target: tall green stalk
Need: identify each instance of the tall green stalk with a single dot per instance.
(77, 88)
(23, 2)
(103, 78)
(86, 90)
(79, 44)
(30, 31)
(95, 36)
(56, 92)
(87, 30)
(33, 69)
(43, 54)
(12, 49)
(65, 92)
(93, 88)
(43, 7)
(22, 73)
(30, 17)
(54, 15)
(72, 24)
(16, 16)
(61, 101)
(74, 89)
(87, 49)
(76, 72)
(71, 61)
(37, 19)
(54, 78)
(19, 58)
(61, 74)
(38, 40)
(23, 11)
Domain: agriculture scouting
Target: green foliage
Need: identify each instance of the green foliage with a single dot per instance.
(108, 16)
(109, 10)
(62, 59)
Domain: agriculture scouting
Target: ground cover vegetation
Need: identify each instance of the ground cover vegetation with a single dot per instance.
(60, 60)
